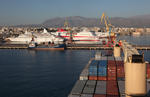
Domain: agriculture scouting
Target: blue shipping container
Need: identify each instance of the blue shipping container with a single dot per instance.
(102, 63)
(102, 71)
(93, 70)
(94, 62)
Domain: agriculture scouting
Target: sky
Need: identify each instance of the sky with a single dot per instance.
(15, 12)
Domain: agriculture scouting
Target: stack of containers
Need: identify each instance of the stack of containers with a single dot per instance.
(89, 88)
(148, 71)
(93, 70)
(77, 89)
(112, 89)
(102, 70)
(120, 68)
(121, 85)
(100, 90)
(111, 70)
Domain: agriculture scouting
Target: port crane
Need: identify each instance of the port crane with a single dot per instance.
(66, 25)
(109, 28)
(108, 25)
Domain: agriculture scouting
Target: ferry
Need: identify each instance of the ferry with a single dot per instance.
(38, 38)
(83, 37)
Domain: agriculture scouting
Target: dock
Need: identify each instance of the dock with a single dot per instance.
(13, 46)
(74, 47)
(142, 47)
(88, 47)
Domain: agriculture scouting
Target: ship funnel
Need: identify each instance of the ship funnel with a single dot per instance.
(135, 76)
(117, 51)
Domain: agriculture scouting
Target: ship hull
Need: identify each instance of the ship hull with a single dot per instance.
(57, 47)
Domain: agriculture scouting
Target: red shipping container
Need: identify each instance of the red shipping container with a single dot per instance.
(120, 71)
(112, 96)
(92, 77)
(111, 78)
(148, 71)
(112, 88)
(119, 63)
(103, 78)
(111, 70)
(111, 62)
(99, 95)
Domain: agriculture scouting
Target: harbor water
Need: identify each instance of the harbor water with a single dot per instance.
(29, 73)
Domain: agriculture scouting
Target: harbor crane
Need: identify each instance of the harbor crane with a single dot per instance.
(109, 28)
(108, 25)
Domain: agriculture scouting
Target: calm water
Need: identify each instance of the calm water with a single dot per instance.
(137, 40)
(26, 73)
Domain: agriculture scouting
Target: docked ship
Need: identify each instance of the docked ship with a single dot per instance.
(83, 37)
(38, 38)
(49, 46)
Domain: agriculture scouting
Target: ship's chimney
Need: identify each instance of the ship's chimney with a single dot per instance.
(135, 76)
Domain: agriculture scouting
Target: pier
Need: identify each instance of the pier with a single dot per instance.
(75, 47)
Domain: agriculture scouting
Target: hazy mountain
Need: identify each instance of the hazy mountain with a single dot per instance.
(73, 21)
(78, 21)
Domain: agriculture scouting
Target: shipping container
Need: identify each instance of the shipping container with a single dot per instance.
(119, 63)
(79, 86)
(120, 71)
(148, 89)
(118, 59)
(103, 63)
(102, 71)
(110, 58)
(92, 71)
(112, 88)
(84, 74)
(71, 95)
(94, 63)
(104, 58)
(102, 78)
(100, 87)
(111, 78)
(89, 87)
(120, 78)
(92, 77)
(102, 68)
(99, 95)
(86, 95)
(111, 62)
(109, 53)
(121, 86)
(98, 56)
(148, 71)
(112, 96)
(111, 70)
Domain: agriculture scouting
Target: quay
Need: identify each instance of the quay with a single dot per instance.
(13, 46)
(88, 47)
(115, 75)
(75, 47)
(142, 47)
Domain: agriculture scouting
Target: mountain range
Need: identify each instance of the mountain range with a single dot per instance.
(78, 21)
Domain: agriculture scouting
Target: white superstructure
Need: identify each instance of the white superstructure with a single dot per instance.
(38, 38)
